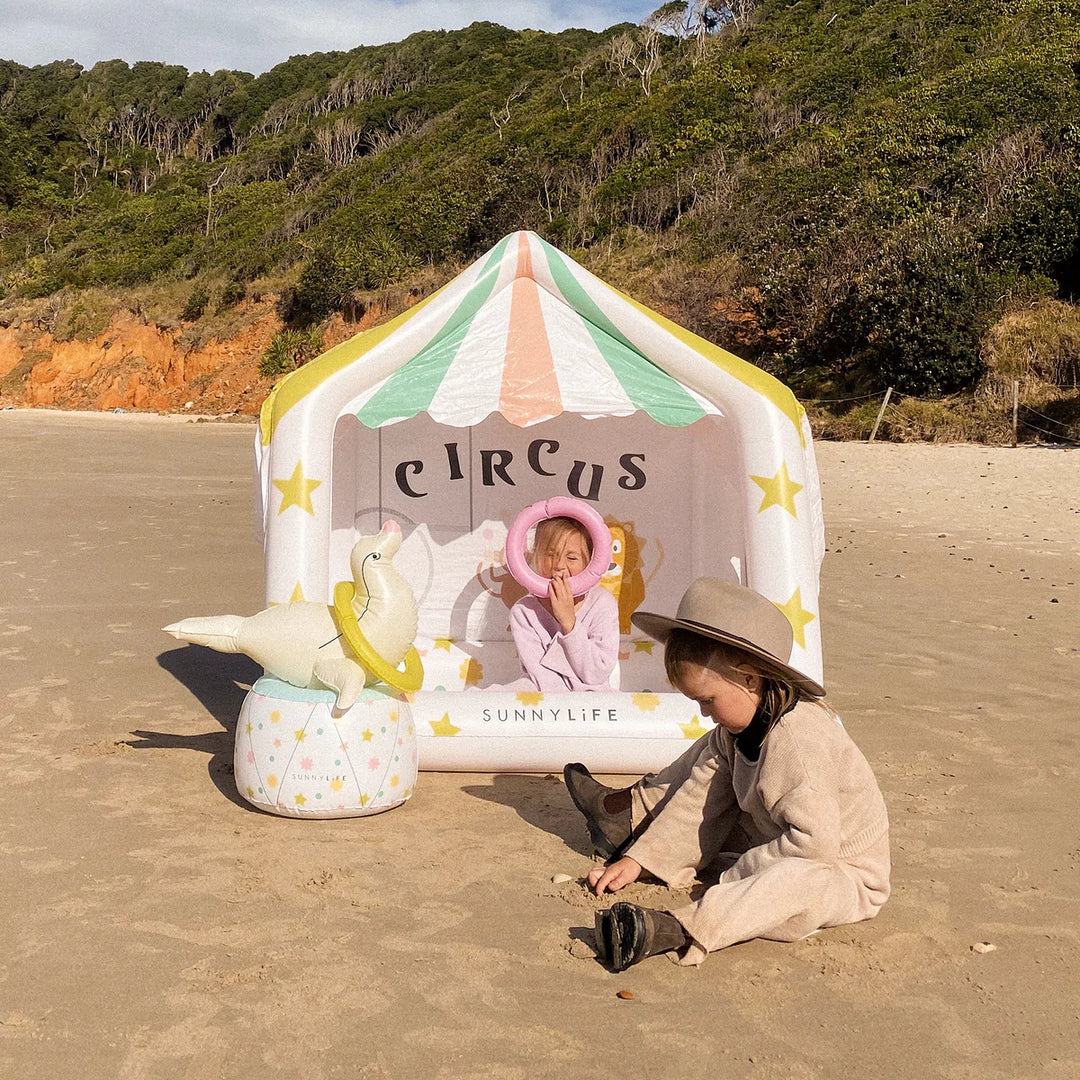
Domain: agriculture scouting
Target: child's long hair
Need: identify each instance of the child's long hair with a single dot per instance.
(685, 647)
(551, 535)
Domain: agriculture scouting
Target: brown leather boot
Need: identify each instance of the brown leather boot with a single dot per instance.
(626, 933)
(608, 830)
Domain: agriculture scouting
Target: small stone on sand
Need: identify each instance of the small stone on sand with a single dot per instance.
(560, 879)
(983, 947)
(626, 995)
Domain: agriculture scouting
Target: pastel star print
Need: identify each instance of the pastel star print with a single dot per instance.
(443, 726)
(296, 491)
(780, 490)
(798, 616)
(693, 730)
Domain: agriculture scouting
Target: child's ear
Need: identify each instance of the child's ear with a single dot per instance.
(750, 679)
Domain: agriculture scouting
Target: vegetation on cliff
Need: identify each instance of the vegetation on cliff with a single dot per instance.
(852, 193)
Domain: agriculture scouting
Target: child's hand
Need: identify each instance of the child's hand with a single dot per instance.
(614, 877)
(562, 600)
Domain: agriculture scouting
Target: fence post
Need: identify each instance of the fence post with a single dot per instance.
(1016, 405)
(881, 413)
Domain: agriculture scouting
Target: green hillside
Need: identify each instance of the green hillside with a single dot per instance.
(852, 193)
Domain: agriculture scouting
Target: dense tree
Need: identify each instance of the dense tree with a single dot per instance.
(861, 185)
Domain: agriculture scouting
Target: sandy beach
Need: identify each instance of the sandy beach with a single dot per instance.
(157, 926)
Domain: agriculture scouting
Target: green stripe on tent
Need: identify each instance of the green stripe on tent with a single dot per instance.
(647, 386)
(759, 381)
(412, 388)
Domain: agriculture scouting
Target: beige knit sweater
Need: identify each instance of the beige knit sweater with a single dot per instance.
(813, 812)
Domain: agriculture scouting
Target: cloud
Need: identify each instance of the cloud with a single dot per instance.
(207, 34)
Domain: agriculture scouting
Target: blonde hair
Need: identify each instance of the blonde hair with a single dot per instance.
(778, 696)
(552, 534)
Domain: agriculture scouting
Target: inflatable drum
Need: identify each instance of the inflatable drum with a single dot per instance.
(295, 758)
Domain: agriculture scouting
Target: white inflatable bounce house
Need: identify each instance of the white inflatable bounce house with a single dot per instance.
(524, 378)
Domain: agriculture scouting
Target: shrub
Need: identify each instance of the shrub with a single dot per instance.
(196, 304)
(341, 267)
(289, 350)
(1039, 345)
(915, 319)
(234, 293)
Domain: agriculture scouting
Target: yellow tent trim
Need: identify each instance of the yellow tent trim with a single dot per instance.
(299, 383)
(759, 381)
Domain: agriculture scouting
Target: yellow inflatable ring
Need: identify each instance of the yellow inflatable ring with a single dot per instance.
(408, 680)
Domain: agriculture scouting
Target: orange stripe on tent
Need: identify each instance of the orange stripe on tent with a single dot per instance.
(530, 390)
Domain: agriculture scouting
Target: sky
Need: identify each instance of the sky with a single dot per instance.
(254, 36)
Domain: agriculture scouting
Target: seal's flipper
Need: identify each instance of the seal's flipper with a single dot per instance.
(344, 676)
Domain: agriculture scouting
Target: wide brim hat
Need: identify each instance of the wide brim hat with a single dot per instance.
(738, 616)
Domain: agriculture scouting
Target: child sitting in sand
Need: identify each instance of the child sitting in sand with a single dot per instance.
(777, 791)
(565, 642)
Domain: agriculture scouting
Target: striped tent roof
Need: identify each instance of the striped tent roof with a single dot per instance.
(530, 355)
(527, 333)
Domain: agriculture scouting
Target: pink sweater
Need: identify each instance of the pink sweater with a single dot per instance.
(581, 660)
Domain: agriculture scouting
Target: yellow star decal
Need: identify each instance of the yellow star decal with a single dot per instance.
(336, 784)
(798, 616)
(644, 646)
(296, 491)
(471, 672)
(300, 736)
(645, 702)
(529, 697)
(368, 736)
(365, 799)
(271, 780)
(297, 595)
(395, 780)
(275, 717)
(250, 729)
(443, 726)
(250, 792)
(780, 490)
(300, 800)
(693, 730)
(443, 643)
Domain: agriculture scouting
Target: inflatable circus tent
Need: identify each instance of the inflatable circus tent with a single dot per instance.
(523, 378)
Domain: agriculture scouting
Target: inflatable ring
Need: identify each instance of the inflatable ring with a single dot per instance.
(560, 506)
(408, 680)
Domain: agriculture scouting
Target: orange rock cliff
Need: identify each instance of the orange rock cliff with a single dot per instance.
(136, 366)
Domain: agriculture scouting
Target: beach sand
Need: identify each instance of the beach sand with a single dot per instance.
(156, 926)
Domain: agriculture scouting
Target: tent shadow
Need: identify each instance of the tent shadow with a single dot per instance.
(220, 684)
(541, 801)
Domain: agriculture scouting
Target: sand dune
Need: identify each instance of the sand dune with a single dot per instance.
(156, 926)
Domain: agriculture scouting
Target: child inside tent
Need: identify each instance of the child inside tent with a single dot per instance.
(565, 642)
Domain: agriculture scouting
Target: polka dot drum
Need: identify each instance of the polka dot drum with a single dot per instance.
(296, 759)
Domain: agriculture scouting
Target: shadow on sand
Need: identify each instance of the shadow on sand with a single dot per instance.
(542, 801)
(220, 683)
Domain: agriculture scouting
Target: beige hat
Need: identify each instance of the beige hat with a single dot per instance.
(737, 615)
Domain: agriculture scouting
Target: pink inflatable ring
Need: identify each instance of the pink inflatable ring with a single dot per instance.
(560, 506)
